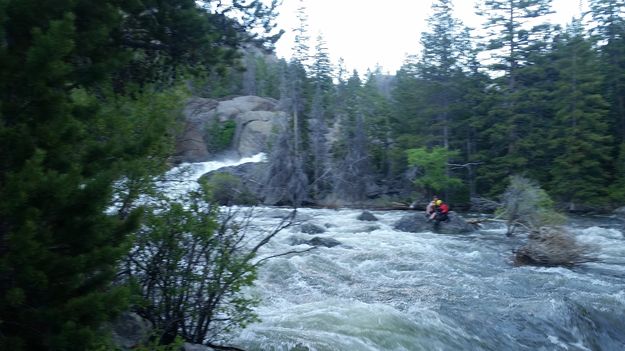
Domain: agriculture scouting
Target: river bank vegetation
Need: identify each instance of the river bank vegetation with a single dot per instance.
(90, 101)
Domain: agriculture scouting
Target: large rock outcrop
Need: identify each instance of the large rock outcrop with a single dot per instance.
(418, 222)
(248, 181)
(255, 118)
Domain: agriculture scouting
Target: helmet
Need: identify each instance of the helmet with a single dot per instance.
(438, 202)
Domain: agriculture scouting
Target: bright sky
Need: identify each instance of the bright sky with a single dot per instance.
(369, 32)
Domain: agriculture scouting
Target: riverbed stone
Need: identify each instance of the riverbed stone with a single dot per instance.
(315, 241)
(418, 222)
(367, 216)
(326, 242)
(311, 228)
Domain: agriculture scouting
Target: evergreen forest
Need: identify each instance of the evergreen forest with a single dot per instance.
(466, 113)
(91, 94)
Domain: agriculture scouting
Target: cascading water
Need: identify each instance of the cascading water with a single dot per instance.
(382, 289)
(183, 178)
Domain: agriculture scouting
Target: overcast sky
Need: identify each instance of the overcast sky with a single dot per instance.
(369, 32)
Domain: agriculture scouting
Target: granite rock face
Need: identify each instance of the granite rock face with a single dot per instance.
(256, 119)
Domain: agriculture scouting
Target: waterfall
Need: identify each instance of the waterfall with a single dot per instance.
(183, 178)
(180, 180)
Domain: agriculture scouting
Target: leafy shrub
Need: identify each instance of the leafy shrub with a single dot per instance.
(190, 264)
(525, 204)
(432, 166)
(219, 135)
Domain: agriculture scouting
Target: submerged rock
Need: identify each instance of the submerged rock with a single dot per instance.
(367, 216)
(316, 241)
(310, 228)
(327, 242)
(418, 222)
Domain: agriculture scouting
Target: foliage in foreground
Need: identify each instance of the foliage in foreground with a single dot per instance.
(191, 263)
(82, 84)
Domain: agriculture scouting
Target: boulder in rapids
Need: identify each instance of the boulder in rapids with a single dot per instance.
(367, 216)
(327, 242)
(310, 228)
(418, 222)
(315, 241)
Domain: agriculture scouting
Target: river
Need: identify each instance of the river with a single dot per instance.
(385, 290)
(388, 290)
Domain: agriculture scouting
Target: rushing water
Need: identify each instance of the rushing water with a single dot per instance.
(390, 290)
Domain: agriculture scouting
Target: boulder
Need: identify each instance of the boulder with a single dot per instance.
(256, 120)
(251, 177)
(367, 216)
(326, 242)
(315, 241)
(130, 330)
(310, 228)
(418, 222)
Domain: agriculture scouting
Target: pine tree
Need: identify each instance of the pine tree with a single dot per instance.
(301, 50)
(520, 111)
(610, 36)
(512, 28)
(377, 112)
(87, 100)
(321, 70)
(580, 140)
(352, 176)
(58, 248)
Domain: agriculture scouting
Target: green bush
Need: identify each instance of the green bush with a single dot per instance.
(525, 204)
(219, 135)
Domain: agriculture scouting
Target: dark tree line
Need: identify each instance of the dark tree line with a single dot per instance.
(530, 98)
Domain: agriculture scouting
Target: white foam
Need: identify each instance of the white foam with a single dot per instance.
(183, 178)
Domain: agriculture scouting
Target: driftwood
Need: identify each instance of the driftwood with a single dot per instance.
(554, 246)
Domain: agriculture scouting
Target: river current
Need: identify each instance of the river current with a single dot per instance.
(383, 289)
(388, 290)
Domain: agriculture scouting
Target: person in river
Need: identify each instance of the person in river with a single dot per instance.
(441, 212)
(431, 207)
